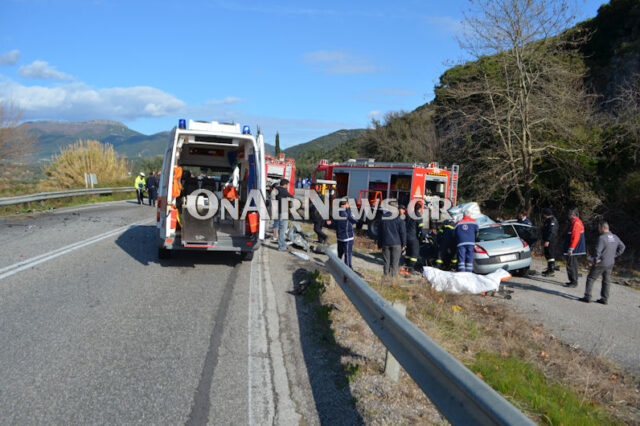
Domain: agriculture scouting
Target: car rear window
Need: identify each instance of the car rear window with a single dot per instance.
(496, 232)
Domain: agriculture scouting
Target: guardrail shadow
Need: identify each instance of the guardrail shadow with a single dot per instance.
(322, 353)
(139, 242)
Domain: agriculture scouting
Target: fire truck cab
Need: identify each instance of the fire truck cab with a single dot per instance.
(401, 181)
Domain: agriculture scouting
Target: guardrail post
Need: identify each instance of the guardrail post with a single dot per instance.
(391, 365)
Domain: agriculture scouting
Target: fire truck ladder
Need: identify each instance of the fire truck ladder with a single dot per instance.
(453, 187)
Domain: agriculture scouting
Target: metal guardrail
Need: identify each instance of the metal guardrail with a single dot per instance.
(8, 201)
(457, 392)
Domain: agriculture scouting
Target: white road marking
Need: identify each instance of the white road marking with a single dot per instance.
(261, 403)
(285, 409)
(7, 271)
(249, 355)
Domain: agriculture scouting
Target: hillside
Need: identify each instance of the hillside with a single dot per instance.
(323, 143)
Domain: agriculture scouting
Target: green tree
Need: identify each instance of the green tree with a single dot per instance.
(277, 144)
(401, 137)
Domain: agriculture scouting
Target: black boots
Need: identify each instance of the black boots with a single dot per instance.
(551, 270)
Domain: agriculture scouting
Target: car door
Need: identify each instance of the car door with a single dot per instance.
(529, 233)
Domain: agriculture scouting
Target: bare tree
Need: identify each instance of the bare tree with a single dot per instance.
(626, 115)
(14, 143)
(520, 109)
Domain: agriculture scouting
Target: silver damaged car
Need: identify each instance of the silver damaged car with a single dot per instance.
(500, 246)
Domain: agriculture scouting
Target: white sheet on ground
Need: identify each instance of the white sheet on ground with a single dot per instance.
(464, 282)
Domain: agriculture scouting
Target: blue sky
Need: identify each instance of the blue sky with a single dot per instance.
(302, 68)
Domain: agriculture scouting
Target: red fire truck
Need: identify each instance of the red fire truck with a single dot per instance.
(279, 168)
(402, 181)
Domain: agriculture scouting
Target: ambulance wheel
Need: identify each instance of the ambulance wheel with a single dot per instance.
(163, 253)
(247, 255)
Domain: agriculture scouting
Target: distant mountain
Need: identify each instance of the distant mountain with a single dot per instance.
(323, 143)
(51, 136)
(270, 149)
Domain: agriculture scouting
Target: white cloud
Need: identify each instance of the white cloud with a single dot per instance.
(78, 101)
(10, 58)
(226, 101)
(339, 62)
(43, 71)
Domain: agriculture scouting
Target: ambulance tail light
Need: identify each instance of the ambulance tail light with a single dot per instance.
(524, 243)
(479, 249)
(174, 217)
(159, 210)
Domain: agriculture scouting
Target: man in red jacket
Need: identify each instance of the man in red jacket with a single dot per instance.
(574, 245)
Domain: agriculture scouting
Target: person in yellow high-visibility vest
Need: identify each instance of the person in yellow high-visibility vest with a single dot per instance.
(139, 184)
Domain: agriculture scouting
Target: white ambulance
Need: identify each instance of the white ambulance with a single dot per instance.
(205, 160)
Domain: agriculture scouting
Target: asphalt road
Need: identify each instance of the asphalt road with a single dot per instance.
(95, 329)
(610, 331)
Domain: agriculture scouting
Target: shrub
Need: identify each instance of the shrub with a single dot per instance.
(67, 169)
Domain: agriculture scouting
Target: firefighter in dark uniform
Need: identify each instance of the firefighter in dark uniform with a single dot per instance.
(446, 244)
(549, 238)
(414, 236)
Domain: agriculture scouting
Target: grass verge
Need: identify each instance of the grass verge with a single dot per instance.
(526, 386)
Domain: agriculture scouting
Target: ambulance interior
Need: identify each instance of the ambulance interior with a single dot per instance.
(213, 164)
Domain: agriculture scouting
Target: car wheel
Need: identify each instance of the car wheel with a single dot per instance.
(247, 255)
(163, 253)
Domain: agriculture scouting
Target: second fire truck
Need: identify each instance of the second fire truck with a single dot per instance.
(277, 168)
(366, 180)
(402, 181)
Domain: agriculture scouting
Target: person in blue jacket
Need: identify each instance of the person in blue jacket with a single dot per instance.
(344, 232)
(466, 230)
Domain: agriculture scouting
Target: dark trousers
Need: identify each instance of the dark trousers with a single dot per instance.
(446, 258)
(391, 257)
(548, 254)
(572, 269)
(594, 274)
(346, 248)
(153, 195)
(412, 253)
(317, 228)
(465, 258)
(140, 196)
